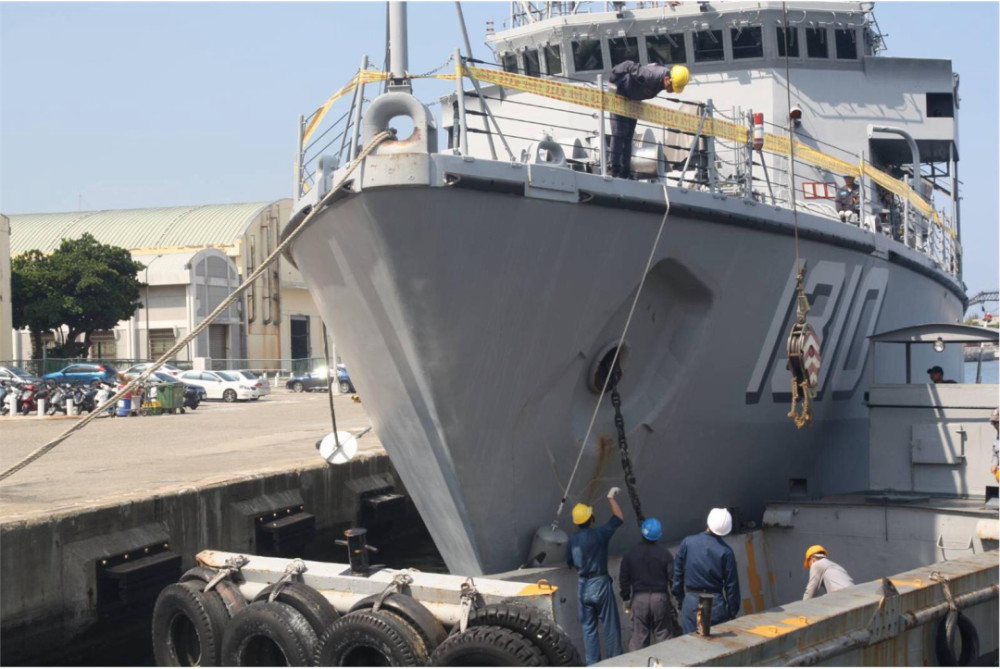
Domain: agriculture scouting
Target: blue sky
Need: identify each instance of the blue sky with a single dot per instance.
(116, 105)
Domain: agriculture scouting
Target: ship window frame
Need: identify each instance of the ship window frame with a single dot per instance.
(824, 38)
(625, 38)
(600, 52)
(670, 39)
(503, 62)
(538, 63)
(720, 40)
(794, 41)
(734, 32)
(853, 35)
(549, 49)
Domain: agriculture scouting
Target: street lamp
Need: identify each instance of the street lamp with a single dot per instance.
(149, 339)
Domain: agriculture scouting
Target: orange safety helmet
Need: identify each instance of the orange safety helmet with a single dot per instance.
(813, 550)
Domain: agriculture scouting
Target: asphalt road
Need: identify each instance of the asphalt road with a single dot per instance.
(116, 457)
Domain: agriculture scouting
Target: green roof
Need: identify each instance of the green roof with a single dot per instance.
(168, 227)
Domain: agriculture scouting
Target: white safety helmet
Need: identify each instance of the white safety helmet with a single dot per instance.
(720, 522)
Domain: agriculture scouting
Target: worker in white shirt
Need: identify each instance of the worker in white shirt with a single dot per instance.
(825, 572)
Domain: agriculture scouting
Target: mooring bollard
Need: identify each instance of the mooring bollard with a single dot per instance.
(357, 550)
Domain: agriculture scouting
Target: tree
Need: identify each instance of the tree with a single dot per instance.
(83, 285)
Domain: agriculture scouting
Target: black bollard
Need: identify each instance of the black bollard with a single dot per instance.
(704, 620)
(357, 550)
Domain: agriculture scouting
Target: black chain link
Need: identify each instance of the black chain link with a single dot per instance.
(633, 492)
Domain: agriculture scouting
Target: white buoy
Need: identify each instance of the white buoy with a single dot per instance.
(338, 456)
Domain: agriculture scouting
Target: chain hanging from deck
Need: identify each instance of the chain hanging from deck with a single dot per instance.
(804, 358)
(633, 491)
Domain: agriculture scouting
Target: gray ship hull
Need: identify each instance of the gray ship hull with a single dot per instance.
(471, 321)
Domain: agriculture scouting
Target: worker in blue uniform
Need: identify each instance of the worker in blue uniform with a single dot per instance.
(638, 82)
(587, 552)
(705, 565)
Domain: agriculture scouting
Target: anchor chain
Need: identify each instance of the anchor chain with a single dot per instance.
(633, 492)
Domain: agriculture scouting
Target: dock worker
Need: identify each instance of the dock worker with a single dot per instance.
(937, 375)
(705, 565)
(638, 82)
(848, 200)
(995, 463)
(644, 582)
(824, 571)
(587, 552)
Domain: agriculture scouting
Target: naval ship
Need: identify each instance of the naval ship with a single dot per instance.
(478, 274)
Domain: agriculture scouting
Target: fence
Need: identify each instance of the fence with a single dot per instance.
(274, 367)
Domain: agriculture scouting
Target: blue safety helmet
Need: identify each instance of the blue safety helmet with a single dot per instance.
(651, 529)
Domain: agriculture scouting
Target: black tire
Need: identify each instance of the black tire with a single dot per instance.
(345, 387)
(229, 395)
(413, 612)
(970, 643)
(268, 634)
(297, 387)
(549, 637)
(188, 627)
(227, 591)
(487, 646)
(314, 607)
(366, 638)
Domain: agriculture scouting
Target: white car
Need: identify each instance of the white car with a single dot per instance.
(221, 385)
(259, 382)
(166, 368)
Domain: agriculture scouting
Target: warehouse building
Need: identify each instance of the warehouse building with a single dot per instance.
(194, 258)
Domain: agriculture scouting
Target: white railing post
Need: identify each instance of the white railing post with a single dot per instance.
(359, 100)
(603, 135)
(298, 159)
(463, 135)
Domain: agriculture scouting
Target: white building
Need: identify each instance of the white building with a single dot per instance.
(194, 257)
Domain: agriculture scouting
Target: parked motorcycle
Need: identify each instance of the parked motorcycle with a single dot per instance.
(57, 398)
(91, 398)
(26, 402)
(6, 388)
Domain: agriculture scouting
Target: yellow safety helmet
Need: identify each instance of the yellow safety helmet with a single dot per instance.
(582, 513)
(679, 77)
(813, 550)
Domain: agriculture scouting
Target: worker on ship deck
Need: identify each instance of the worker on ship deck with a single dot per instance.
(824, 572)
(937, 375)
(848, 200)
(638, 82)
(587, 552)
(644, 581)
(705, 565)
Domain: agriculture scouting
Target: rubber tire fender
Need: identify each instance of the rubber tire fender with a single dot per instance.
(225, 589)
(314, 607)
(554, 643)
(488, 646)
(970, 643)
(413, 612)
(207, 614)
(385, 633)
(285, 627)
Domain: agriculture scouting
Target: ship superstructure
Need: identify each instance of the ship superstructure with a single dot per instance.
(476, 288)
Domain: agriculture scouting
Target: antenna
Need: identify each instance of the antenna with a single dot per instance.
(398, 56)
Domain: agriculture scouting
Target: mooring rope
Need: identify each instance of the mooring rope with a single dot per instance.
(614, 360)
(39, 452)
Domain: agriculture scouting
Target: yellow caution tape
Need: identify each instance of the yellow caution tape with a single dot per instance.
(613, 103)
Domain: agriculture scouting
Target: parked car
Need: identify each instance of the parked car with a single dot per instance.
(317, 380)
(221, 385)
(165, 367)
(344, 380)
(261, 383)
(84, 373)
(17, 374)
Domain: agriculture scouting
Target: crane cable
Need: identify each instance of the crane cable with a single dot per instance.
(39, 452)
(614, 361)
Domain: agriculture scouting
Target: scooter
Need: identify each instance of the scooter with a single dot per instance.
(26, 402)
(94, 397)
(5, 389)
(57, 397)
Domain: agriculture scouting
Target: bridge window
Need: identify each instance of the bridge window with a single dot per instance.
(708, 46)
(509, 62)
(532, 68)
(623, 48)
(747, 42)
(553, 59)
(847, 44)
(940, 105)
(793, 42)
(666, 49)
(816, 46)
(587, 55)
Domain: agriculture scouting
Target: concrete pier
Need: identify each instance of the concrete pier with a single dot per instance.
(158, 490)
